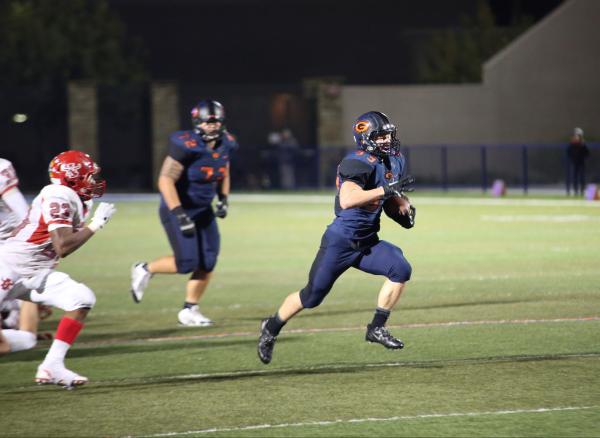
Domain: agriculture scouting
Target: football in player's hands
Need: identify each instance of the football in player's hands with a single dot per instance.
(399, 209)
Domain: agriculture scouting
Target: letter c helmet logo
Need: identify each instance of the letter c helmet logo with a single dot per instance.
(361, 126)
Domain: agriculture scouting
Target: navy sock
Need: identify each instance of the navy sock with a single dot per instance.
(187, 305)
(380, 318)
(275, 324)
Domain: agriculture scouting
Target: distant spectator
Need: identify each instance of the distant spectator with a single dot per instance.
(287, 148)
(287, 160)
(577, 153)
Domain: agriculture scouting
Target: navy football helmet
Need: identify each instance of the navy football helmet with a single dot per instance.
(371, 124)
(208, 111)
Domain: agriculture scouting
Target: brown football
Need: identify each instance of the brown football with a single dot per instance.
(391, 207)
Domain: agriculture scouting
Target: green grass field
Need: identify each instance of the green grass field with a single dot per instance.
(501, 322)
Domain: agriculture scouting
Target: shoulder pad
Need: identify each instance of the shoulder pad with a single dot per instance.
(362, 156)
(184, 139)
(59, 191)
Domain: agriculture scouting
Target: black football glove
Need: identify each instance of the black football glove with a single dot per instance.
(397, 188)
(186, 225)
(407, 220)
(222, 206)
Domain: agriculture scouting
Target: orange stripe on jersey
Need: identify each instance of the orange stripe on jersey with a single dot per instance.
(41, 234)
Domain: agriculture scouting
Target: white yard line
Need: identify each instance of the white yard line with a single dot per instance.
(399, 326)
(327, 198)
(564, 218)
(372, 420)
(341, 329)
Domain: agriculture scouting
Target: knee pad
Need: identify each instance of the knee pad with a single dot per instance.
(401, 271)
(83, 297)
(20, 340)
(209, 263)
(185, 266)
(310, 298)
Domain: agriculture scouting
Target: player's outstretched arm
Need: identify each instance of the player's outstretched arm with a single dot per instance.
(65, 240)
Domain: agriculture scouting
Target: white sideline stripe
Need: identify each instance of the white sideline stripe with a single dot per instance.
(541, 218)
(426, 200)
(340, 329)
(254, 372)
(372, 419)
(398, 326)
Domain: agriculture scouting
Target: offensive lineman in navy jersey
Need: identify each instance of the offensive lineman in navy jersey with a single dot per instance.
(366, 178)
(194, 171)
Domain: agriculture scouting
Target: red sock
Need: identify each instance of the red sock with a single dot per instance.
(68, 329)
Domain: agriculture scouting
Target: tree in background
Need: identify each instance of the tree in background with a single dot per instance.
(456, 55)
(45, 42)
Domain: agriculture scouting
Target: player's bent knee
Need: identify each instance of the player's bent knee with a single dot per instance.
(19, 340)
(29, 341)
(83, 297)
(186, 266)
(209, 264)
(311, 298)
(401, 272)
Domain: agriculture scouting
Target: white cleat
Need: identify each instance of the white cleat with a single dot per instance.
(193, 317)
(139, 280)
(57, 374)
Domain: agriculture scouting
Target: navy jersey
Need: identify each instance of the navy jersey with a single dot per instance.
(203, 167)
(369, 172)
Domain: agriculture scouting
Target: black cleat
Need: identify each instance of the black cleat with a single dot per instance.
(382, 336)
(266, 342)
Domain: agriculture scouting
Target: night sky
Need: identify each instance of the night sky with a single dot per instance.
(253, 41)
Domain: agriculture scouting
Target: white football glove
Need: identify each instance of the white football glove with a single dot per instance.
(101, 216)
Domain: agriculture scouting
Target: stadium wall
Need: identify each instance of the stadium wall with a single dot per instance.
(535, 90)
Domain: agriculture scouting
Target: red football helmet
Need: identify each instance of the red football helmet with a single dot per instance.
(78, 171)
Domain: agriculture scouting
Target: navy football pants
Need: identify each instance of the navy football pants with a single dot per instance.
(199, 251)
(337, 254)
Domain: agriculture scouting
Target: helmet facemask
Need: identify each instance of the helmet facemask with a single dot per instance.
(208, 111)
(391, 147)
(94, 187)
(212, 135)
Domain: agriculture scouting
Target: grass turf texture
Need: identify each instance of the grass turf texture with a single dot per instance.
(493, 265)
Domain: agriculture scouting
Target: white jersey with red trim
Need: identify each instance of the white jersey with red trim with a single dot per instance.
(8, 180)
(30, 248)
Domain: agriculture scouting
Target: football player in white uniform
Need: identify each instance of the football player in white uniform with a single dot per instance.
(13, 206)
(54, 228)
(13, 209)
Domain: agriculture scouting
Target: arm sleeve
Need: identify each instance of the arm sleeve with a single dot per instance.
(356, 171)
(16, 202)
(8, 177)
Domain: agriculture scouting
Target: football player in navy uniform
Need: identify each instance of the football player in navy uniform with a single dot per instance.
(195, 170)
(369, 179)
